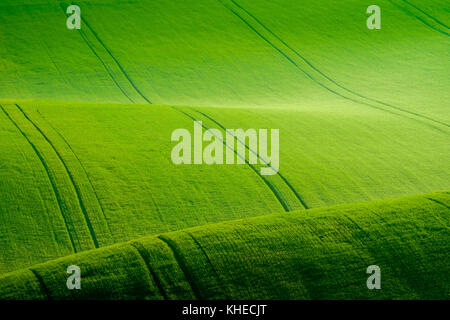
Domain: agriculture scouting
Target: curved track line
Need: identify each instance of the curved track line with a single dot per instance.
(307, 74)
(75, 186)
(271, 187)
(329, 78)
(47, 170)
(83, 168)
(139, 248)
(425, 13)
(418, 18)
(117, 62)
(87, 42)
(439, 202)
(104, 65)
(297, 195)
(41, 283)
(110, 54)
(208, 260)
(179, 258)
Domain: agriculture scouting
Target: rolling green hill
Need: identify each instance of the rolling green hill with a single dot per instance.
(321, 255)
(86, 118)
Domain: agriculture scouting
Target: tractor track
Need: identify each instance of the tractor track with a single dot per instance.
(105, 65)
(74, 185)
(52, 183)
(268, 184)
(297, 195)
(422, 19)
(234, 7)
(82, 167)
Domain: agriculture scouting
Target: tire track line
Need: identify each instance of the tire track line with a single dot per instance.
(87, 42)
(208, 260)
(329, 78)
(104, 65)
(41, 283)
(140, 249)
(294, 63)
(75, 186)
(47, 170)
(297, 195)
(318, 82)
(439, 202)
(179, 258)
(116, 61)
(425, 13)
(271, 187)
(82, 167)
(122, 70)
(421, 19)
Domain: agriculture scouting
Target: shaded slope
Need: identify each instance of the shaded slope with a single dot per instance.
(322, 255)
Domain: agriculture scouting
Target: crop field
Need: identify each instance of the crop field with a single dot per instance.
(280, 256)
(87, 170)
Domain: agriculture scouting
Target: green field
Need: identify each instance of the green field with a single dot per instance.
(281, 256)
(86, 118)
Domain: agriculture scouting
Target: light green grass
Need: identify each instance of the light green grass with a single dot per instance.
(122, 184)
(201, 53)
(86, 118)
(138, 190)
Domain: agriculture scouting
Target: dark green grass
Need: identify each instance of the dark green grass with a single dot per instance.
(314, 254)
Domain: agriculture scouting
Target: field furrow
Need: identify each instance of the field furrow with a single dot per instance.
(312, 72)
(70, 204)
(110, 63)
(273, 188)
(422, 16)
(86, 194)
(277, 182)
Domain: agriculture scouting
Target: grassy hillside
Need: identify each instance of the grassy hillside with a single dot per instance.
(123, 185)
(228, 53)
(86, 118)
(120, 185)
(321, 255)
